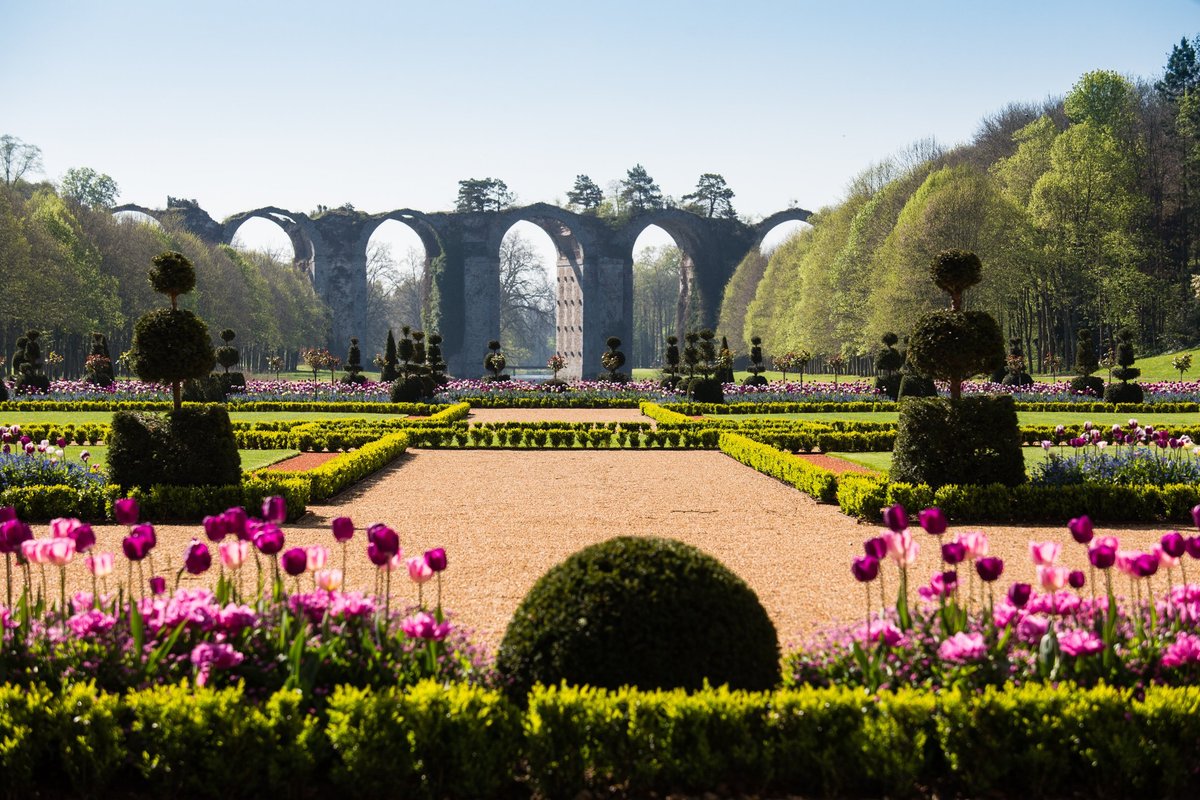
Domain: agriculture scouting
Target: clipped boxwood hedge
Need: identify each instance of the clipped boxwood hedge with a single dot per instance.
(815, 481)
(432, 741)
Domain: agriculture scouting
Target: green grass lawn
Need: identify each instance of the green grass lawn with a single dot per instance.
(1023, 417)
(251, 459)
(882, 462)
(105, 417)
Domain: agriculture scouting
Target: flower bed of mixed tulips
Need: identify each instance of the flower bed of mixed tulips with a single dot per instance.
(277, 617)
(966, 631)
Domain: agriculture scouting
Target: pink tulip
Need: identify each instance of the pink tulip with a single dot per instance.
(1126, 562)
(61, 528)
(1165, 560)
(318, 557)
(328, 580)
(418, 569)
(36, 551)
(1052, 578)
(61, 551)
(975, 543)
(234, 552)
(1044, 553)
(99, 564)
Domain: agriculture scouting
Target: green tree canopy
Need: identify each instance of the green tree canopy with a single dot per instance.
(483, 194)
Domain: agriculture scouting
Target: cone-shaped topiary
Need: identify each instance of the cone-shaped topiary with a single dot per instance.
(755, 378)
(388, 373)
(1124, 392)
(642, 611)
(171, 345)
(354, 363)
(888, 362)
(433, 358)
(98, 365)
(1086, 363)
(724, 365)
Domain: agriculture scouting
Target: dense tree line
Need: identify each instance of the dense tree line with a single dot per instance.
(1086, 212)
(69, 267)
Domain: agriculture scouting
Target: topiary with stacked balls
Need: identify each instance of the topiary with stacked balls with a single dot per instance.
(188, 446)
(972, 440)
(642, 611)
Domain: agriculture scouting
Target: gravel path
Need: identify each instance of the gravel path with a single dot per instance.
(505, 517)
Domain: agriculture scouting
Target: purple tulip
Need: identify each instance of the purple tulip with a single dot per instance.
(864, 568)
(377, 556)
(343, 529)
(146, 531)
(126, 511)
(158, 584)
(932, 520)
(135, 547)
(1172, 544)
(214, 527)
(1081, 529)
(1076, 579)
(12, 533)
(1145, 565)
(876, 548)
(197, 559)
(1196, 516)
(436, 558)
(83, 536)
(950, 580)
(953, 552)
(295, 561)
(269, 539)
(895, 518)
(1102, 556)
(1018, 594)
(235, 522)
(383, 537)
(989, 568)
(274, 509)
(1192, 545)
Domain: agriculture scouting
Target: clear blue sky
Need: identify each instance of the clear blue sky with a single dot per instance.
(389, 104)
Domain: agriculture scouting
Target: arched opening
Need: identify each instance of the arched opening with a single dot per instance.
(778, 234)
(531, 288)
(397, 260)
(132, 217)
(663, 278)
(265, 235)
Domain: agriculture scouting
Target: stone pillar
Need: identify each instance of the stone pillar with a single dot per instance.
(608, 311)
(569, 318)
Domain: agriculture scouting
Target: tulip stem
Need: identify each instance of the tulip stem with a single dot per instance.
(8, 578)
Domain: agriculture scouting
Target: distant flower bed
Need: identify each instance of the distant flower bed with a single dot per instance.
(456, 391)
(24, 462)
(1138, 455)
(811, 391)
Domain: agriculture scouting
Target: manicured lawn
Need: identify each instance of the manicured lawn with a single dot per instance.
(105, 417)
(882, 462)
(251, 459)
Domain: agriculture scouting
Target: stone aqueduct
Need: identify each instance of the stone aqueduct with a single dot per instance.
(462, 286)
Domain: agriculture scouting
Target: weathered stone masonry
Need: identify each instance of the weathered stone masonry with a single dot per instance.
(462, 252)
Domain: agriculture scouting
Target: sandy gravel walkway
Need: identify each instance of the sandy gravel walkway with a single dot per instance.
(505, 517)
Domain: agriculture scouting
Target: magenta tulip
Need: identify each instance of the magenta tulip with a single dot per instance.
(1102, 556)
(126, 511)
(1196, 516)
(146, 531)
(864, 568)
(269, 539)
(214, 527)
(383, 537)
(197, 559)
(12, 533)
(343, 529)
(876, 548)
(953, 552)
(1018, 594)
(274, 509)
(990, 568)
(895, 519)
(1076, 579)
(436, 558)
(933, 520)
(1081, 529)
(1192, 545)
(1145, 565)
(7, 513)
(1173, 544)
(235, 522)
(377, 556)
(295, 561)
(158, 584)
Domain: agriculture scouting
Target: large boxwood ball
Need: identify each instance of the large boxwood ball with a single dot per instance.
(956, 344)
(955, 271)
(641, 611)
(171, 344)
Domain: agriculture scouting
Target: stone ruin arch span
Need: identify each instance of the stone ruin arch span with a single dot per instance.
(298, 228)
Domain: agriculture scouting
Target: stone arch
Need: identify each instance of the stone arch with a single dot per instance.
(135, 208)
(691, 237)
(298, 227)
(770, 223)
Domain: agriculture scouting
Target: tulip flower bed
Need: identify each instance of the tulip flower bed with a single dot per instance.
(968, 632)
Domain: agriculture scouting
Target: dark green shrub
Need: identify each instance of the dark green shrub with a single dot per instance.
(704, 390)
(954, 345)
(612, 360)
(1087, 384)
(31, 375)
(3, 389)
(1124, 392)
(354, 364)
(209, 389)
(434, 361)
(1013, 373)
(725, 362)
(227, 355)
(755, 377)
(670, 370)
(98, 365)
(974, 440)
(955, 271)
(172, 275)
(388, 373)
(1086, 363)
(189, 447)
(640, 611)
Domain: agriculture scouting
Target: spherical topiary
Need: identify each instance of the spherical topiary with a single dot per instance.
(613, 359)
(954, 345)
(642, 611)
(173, 274)
(955, 271)
(171, 344)
(227, 354)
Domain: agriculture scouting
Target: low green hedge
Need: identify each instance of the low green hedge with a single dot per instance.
(551, 400)
(816, 481)
(552, 437)
(459, 741)
(414, 409)
(347, 468)
(800, 407)
(191, 503)
(37, 503)
(661, 413)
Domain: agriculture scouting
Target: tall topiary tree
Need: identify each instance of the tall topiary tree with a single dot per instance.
(388, 373)
(171, 345)
(433, 357)
(1124, 392)
(957, 440)
(1086, 362)
(98, 365)
(495, 361)
(725, 362)
(755, 378)
(613, 359)
(702, 356)
(32, 375)
(670, 368)
(354, 363)
(227, 354)
(888, 362)
(1014, 365)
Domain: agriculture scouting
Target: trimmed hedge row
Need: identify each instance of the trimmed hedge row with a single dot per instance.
(695, 409)
(35, 503)
(345, 469)
(552, 400)
(661, 413)
(553, 437)
(414, 409)
(459, 741)
(816, 481)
